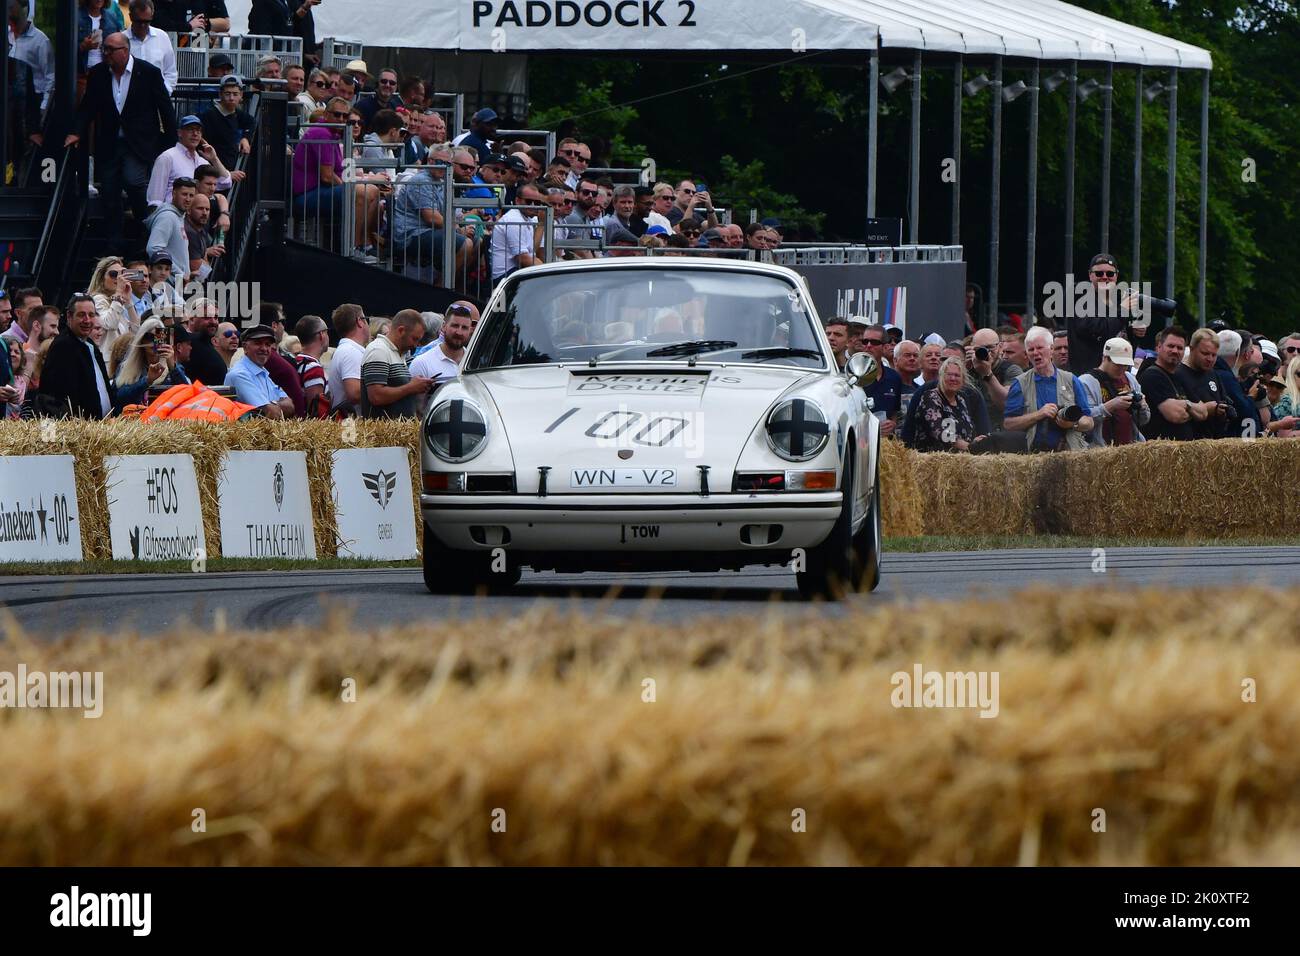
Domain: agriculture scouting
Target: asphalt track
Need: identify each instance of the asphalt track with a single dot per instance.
(62, 606)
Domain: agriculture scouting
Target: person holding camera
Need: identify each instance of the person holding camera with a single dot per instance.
(1087, 335)
(1114, 391)
(1233, 383)
(1197, 376)
(151, 362)
(991, 372)
(1050, 405)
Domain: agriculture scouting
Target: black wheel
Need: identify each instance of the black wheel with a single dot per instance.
(466, 572)
(840, 564)
(869, 540)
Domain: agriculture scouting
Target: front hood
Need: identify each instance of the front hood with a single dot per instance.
(646, 421)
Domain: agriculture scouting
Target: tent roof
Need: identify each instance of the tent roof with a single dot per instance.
(1034, 29)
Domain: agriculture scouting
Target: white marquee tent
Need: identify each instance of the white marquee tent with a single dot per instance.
(935, 33)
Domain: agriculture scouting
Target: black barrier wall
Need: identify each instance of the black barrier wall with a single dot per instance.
(920, 297)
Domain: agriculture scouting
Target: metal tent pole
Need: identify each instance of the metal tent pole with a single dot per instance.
(995, 208)
(873, 84)
(914, 189)
(1069, 167)
(1031, 233)
(1172, 183)
(956, 151)
(1205, 194)
(1136, 266)
(1107, 109)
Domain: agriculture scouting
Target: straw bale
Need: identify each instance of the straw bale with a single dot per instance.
(1118, 699)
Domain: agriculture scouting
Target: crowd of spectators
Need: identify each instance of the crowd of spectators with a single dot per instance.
(131, 337)
(404, 161)
(1087, 385)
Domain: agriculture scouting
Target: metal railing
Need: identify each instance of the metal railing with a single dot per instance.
(338, 53)
(824, 254)
(244, 51)
(454, 115)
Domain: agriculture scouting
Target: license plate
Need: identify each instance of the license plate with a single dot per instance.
(631, 478)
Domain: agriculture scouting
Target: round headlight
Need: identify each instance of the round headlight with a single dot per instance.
(797, 429)
(455, 430)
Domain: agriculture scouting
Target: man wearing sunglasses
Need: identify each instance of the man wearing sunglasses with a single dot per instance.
(578, 156)
(386, 97)
(1088, 334)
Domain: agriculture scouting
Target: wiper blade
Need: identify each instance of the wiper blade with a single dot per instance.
(780, 351)
(692, 348)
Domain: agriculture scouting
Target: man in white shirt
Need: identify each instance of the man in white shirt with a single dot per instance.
(442, 362)
(344, 375)
(150, 44)
(29, 44)
(514, 244)
(189, 153)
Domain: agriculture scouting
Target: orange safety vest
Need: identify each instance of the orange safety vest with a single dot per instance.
(195, 402)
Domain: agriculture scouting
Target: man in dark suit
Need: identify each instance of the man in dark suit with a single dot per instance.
(74, 381)
(134, 122)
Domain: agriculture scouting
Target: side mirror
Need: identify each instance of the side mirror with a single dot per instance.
(862, 370)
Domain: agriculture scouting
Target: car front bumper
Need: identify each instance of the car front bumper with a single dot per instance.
(632, 523)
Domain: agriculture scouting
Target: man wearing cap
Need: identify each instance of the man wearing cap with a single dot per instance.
(252, 382)
(150, 44)
(219, 65)
(1113, 390)
(1088, 334)
(167, 227)
(189, 153)
(482, 131)
(227, 126)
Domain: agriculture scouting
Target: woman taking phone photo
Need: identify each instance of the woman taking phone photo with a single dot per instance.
(113, 302)
(150, 362)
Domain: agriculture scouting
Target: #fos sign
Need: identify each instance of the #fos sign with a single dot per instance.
(265, 506)
(374, 503)
(38, 509)
(153, 508)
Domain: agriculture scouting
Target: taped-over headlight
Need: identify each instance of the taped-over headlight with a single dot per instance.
(797, 429)
(456, 430)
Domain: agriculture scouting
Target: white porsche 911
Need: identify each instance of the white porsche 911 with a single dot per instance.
(652, 414)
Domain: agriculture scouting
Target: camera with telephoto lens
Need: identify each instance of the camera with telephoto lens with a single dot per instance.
(1072, 413)
(1160, 308)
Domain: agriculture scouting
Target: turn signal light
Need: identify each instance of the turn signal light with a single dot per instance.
(810, 480)
(435, 481)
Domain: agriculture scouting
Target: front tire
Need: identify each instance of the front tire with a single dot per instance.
(844, 563)
(465, 572)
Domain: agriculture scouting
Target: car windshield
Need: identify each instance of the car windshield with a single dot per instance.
(649, 316)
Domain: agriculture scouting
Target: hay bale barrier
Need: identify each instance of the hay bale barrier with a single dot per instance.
(1115, 700)
(1152, 490)
(91, 442)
